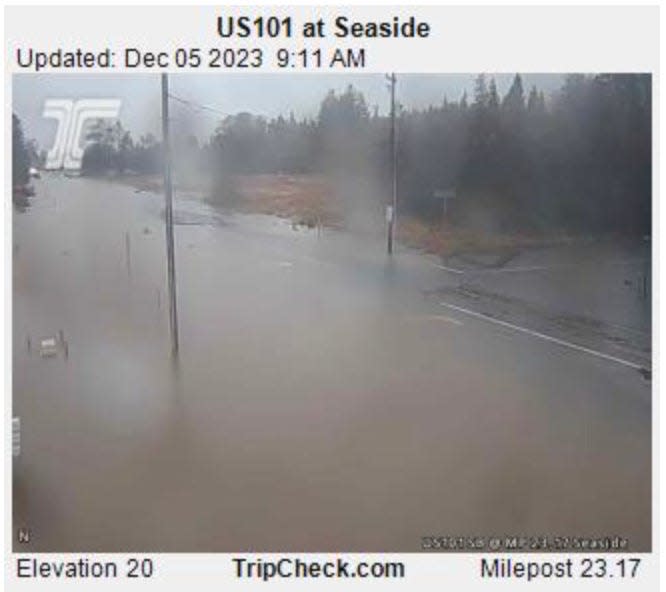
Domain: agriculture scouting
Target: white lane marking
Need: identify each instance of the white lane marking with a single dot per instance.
(446, 319)
(437, 318)
(451, 269)
(498, 270)
(514, 269)
(543, 336)
(527, 269)
(556, 266)
(285, 264)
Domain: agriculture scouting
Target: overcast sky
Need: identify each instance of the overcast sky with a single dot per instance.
(261, 94)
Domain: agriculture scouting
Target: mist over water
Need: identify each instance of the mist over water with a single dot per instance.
(320, 402)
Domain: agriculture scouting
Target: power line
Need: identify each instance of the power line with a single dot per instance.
(196, 106)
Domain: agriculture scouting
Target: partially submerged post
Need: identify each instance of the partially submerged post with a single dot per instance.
(168, 210)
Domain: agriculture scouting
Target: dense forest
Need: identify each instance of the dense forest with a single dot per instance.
(20, 154)
(578, 161)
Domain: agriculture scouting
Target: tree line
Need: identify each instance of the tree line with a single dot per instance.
(578, 161)
(24, 154)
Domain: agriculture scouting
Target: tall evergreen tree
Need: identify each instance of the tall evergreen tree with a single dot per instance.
(514, 101)
(20, 155)
(480, 92)
(493, 96)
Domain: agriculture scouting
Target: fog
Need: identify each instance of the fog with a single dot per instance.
(320, 401)
(491, 376)
(265, 94)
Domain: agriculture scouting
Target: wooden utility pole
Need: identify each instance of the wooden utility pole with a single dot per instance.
(168, 214)
(392, 212)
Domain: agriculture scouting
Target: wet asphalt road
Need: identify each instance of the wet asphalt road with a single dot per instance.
(325, 399)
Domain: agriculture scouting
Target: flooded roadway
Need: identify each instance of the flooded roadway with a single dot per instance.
(322, 401)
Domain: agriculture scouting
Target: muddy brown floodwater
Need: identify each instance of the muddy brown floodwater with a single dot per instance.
(322, 401)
